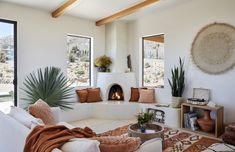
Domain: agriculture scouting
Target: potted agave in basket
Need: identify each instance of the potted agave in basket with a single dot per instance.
(143, 119)
(177, 84)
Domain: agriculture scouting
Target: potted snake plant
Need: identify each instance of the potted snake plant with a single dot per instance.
(177, 84)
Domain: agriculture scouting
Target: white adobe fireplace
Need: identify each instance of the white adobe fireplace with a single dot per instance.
(124, 81)
(115, 86)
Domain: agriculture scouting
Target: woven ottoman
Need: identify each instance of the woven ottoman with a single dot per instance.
(229, 135)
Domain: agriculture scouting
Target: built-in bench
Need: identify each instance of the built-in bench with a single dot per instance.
(116, 110)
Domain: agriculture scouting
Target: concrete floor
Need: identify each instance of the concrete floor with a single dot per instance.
(101, 125)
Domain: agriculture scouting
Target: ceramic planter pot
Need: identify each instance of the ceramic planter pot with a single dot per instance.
(102, 69)
(176, 102)
(143, 127)
(206, 123)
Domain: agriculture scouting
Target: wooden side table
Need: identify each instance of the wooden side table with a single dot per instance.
(219, 120)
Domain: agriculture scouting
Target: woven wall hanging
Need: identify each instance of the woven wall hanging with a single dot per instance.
(213, 49)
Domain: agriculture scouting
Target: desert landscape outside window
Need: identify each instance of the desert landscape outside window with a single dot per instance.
(153, 61)
(8, 64)
(79, 60)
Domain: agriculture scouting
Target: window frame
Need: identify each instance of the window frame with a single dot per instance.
(142, 70)
(15, 82)
(90, 44)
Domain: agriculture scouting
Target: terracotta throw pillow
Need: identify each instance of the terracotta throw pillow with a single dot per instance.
(118, 143)
(82, 95)
(134, 94)
(147, 96)
(93, 95)
(40, 109)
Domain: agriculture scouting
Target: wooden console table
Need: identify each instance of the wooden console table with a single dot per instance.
(219, 120)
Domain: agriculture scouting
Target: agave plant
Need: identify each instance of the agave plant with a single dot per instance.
(177, 80)
(49, 85)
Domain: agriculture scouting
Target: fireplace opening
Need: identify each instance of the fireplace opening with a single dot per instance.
(116, 93)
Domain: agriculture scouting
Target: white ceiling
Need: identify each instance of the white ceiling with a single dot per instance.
(97, 9)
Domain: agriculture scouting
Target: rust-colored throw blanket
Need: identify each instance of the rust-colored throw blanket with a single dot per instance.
(46, 138)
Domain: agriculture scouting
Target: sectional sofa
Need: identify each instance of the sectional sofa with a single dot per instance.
(14, 133)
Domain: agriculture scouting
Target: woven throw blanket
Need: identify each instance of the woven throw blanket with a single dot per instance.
(47, 138)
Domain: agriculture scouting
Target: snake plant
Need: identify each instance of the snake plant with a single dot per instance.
(177, 80)
(49, 85)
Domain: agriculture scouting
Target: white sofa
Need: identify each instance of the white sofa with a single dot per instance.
(13, 134)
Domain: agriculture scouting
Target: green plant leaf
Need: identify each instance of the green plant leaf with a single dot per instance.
(177, 79)
(49, 85)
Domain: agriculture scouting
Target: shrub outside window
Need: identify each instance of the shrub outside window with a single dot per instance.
(79, 60)
(153, 61)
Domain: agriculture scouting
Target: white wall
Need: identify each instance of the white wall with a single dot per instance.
(116, 45)
(180, 25)
(42, 39)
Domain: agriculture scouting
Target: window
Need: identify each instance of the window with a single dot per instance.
(79, 60)
(153, 61)
(8, 64)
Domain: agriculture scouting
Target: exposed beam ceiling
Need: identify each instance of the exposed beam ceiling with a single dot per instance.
(125, 12)
(157, 38)
(60, 10)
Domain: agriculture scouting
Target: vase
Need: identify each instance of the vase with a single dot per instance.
(176, 102)
(102, 69)
(206, 123)
(143, 127)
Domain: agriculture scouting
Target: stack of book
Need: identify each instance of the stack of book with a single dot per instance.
(190, 120)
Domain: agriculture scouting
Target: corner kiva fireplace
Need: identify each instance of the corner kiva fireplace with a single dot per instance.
(116, 93)
(106, 81)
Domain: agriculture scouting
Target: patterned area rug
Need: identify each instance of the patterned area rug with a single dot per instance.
(178, 141)
(175, 140)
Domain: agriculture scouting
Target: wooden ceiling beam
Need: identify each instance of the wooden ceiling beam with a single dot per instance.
(156, 38)
(60, 10)
(125, 12)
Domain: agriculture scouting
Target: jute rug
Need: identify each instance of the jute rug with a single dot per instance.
(175, 140)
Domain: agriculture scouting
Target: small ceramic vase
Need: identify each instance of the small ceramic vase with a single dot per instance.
(206, 123)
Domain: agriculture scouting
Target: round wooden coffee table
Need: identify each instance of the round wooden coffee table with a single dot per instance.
(152, 131)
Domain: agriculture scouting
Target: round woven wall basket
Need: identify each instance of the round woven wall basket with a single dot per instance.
(213, 49)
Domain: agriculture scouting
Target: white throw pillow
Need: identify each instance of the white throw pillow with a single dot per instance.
(24, 117)
(81, 145)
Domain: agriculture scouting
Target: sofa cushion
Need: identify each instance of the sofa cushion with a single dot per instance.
(24, 117)
(82, 95)
(85, 145)
(151, 145)
(13, 134)
(93, 95)
(147, 96)
(42, 110)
